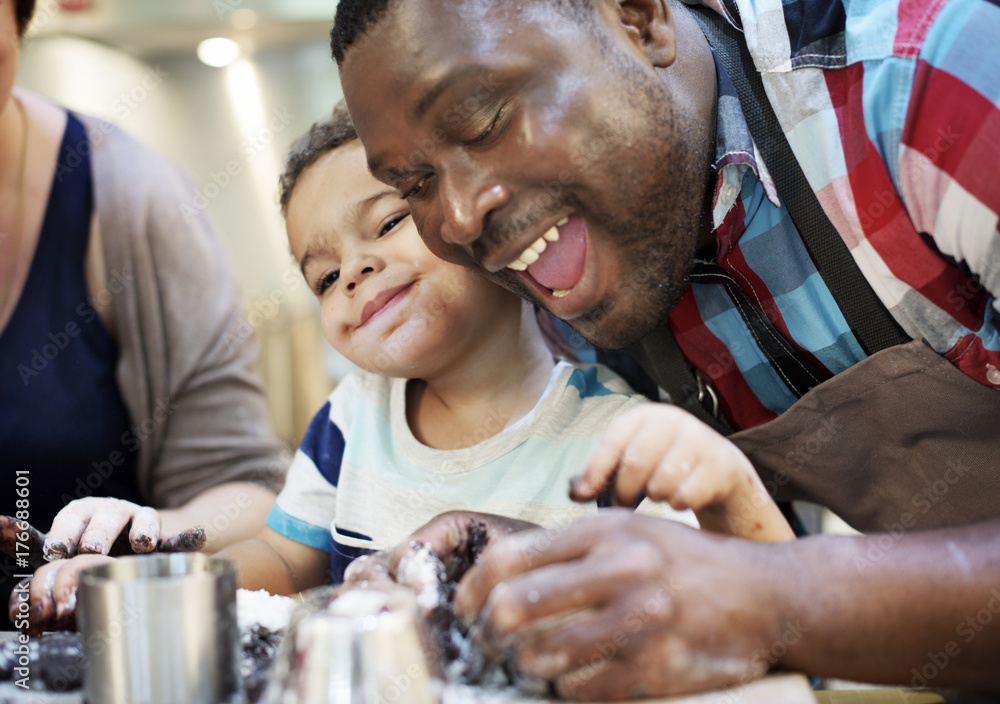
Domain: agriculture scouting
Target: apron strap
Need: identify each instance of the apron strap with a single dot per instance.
(867, 316)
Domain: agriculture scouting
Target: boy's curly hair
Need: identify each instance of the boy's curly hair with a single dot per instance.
(322, 137)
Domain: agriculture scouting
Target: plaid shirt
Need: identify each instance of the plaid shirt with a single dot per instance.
(891, 107)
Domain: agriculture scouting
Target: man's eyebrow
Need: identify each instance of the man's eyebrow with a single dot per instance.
(434, 92)
(424, 103)
(384, 173)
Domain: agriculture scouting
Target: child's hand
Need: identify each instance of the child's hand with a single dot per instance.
(671, 456)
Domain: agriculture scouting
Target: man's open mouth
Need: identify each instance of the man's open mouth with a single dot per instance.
(556, 259)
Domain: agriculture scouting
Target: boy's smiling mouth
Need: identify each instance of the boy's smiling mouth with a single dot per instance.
(382, 300)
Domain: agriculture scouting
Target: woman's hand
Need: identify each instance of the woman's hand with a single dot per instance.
(97, 526)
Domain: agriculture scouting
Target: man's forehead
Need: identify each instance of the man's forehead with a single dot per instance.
(413, 28)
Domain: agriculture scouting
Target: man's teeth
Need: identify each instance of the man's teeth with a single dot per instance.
(561, 293)
(531, 254)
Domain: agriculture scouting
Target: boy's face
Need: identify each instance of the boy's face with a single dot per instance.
(388, 304)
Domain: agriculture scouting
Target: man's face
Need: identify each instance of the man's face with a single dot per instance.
(516, 131)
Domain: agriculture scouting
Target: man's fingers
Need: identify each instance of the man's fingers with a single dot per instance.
(605, 679)
(553, 651)
(145, 531)
(529, 550)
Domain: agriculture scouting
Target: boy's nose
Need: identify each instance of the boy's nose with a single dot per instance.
(356, 278)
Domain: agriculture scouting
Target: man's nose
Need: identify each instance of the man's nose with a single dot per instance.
(466, 203)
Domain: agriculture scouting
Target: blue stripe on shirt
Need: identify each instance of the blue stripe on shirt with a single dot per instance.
(324, 445)
(587, 384)
(298, 530)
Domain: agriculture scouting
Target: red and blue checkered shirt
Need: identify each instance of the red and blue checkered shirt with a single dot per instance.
(892, 107)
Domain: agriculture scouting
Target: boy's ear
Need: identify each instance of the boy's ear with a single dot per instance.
(650, 25)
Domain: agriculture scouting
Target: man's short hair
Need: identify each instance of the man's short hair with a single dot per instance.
(353, 19)
(356, 17)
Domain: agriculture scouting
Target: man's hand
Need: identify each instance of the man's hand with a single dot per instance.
(96, 526)
(619, 606)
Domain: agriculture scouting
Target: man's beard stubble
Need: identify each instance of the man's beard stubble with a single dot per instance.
(658, 230)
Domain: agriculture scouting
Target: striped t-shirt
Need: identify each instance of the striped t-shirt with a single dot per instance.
(361, 478)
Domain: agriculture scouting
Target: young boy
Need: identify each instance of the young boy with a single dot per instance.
(460, 404)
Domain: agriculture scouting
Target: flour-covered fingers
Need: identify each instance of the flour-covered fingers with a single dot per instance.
(107, 522)
(51, 595)
(144, 534)
(526, 551)
(594, 636)
(369, 570)
(190, 540)
(68, 527)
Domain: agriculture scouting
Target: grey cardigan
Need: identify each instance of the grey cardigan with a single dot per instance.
(187, 375)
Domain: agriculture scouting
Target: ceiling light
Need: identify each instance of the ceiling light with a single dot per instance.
(218, 51)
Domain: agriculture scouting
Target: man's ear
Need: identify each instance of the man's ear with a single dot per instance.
(650, 25)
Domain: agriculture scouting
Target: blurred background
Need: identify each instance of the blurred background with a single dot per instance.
(222, 87)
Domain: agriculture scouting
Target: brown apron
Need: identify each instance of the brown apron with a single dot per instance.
(901, 440)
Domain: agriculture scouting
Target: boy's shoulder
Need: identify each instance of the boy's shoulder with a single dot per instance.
(593, 380)
(582, 399)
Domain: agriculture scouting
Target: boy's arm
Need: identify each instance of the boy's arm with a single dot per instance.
(278, 564)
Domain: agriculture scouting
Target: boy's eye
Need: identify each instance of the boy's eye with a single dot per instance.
(392, 224)
(326, 281)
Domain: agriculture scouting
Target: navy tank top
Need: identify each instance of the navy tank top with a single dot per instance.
(65, 432)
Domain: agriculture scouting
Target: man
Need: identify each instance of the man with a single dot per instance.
(592, 156)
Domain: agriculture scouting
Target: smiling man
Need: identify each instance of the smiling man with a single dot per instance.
(593, 156)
